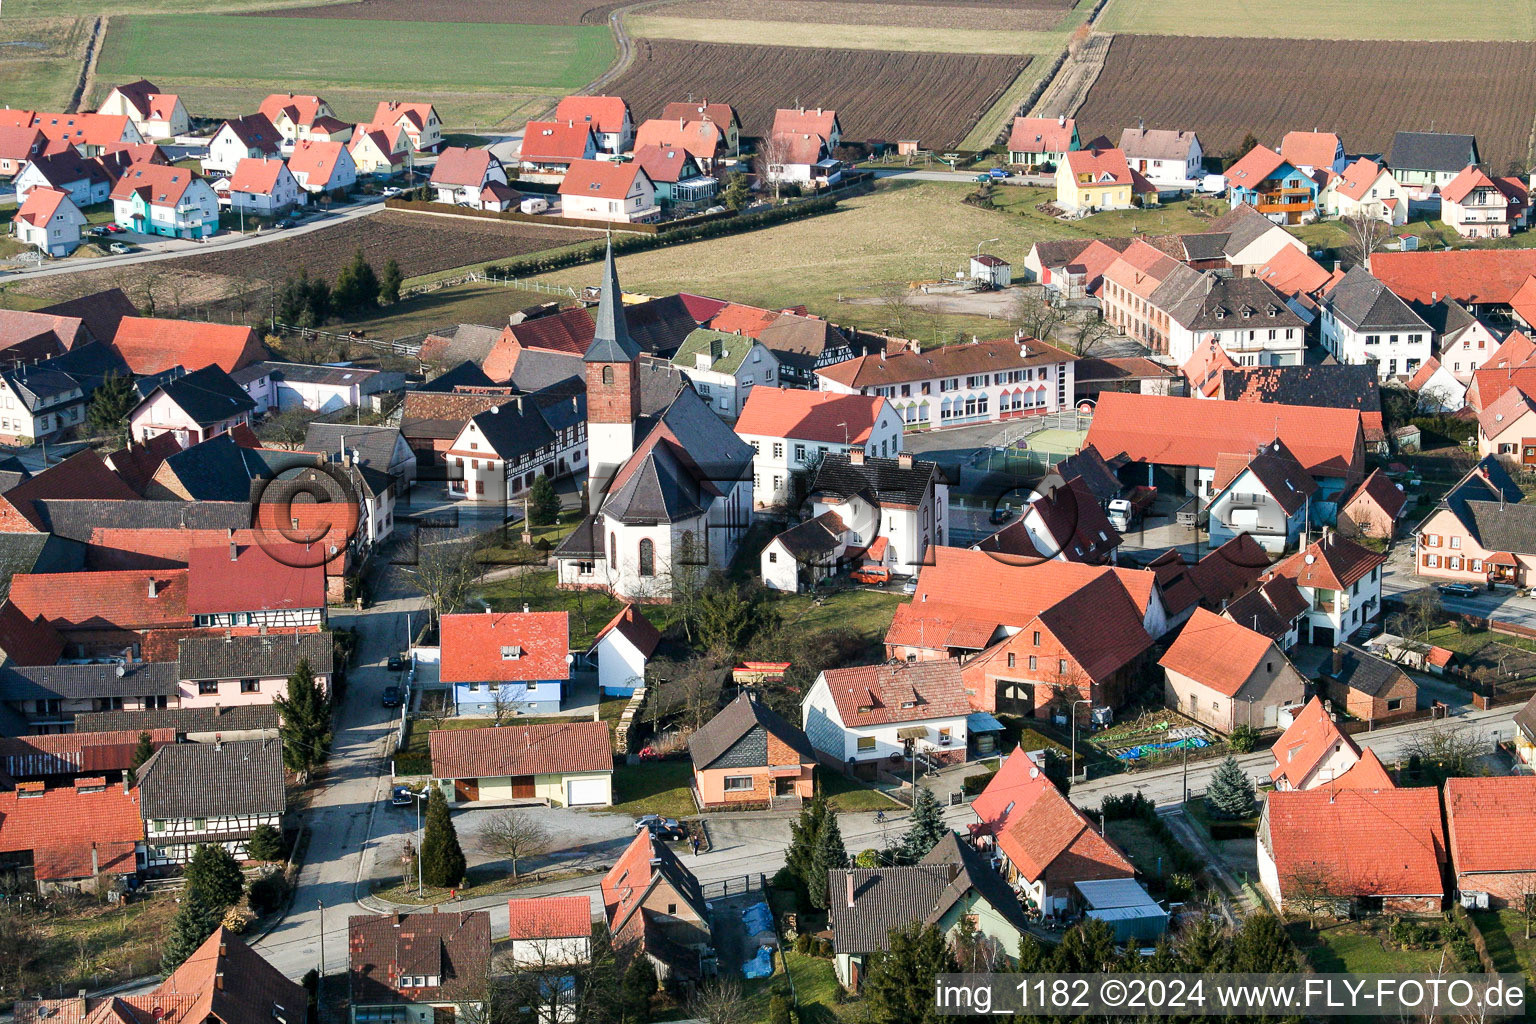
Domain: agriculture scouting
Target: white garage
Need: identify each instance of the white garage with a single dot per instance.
(593, 791)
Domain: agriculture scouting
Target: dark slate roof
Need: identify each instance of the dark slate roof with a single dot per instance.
(74, 518)
(885, 479)
(1286, 479)
(663, 488)
(611, 343)
(1332, 387)
(1270, 608)
(89, 364)
(206, 780)
(234, 718)
(1097, 474)
(660, 384)
(454, 345)
(973, 873)
(1218, 303)
(819, 536)
(1433, 151)
(740, 717)
(1525, 719)
(1364, 303)
(44, 682)
(1448, 317)
(1488, 481)
(218, 469)
(659, 325)
(883, 899)
(1364, 672)
(1504, 527)
(38, 552)
(374, 446)
(145, 384)
(208, 395)
(100, 311)
(466, 374)
(528, 422)
(12, 472)
(38, 385)
(537, 369)
(274, 654)
(585, 541)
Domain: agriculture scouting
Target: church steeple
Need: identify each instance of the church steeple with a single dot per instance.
(613, 388)
(611, 343)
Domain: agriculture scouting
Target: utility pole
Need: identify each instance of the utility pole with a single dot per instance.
(321, 982)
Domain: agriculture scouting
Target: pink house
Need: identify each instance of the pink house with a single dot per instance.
(1475, 205)
(1483, 531)
(1506, 427)
(194, 407)
(223, 671)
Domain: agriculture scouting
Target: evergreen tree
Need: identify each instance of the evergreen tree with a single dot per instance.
(1250, 141)
(828, 854)
(317, 303)
(1088, 948)
(306, 723)
(141, 753)
(736, 194)
(357, 287)
(1204, 949)
(635, 991)
(195, 920)
(442, 859)
(925, 827)
(802, 841)
(110, 405)
(1230, 794)
(543, 503)
(266, 843)
(899, 983)
(1261, 946)
(292, 298)
(389, 283)
(214, 873)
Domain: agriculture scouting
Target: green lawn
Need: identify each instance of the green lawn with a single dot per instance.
(1179, 217)
(1324, 19)
(1360, 948)
(1504, 931)
(848, 794)
(817, 989)
(80, 943)
(654, 787)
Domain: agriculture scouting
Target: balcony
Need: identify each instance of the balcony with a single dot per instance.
(1284, 205)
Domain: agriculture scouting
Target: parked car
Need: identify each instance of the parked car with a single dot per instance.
(997, 173)
(877, 575)
(396, 662)
(391, 697)
(910, 587)
(392, 192)
(1001, 514)
(1457, 589)
(121, 248)
(655, 821)
(401, 796)
(114, 228)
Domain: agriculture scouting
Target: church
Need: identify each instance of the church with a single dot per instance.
(670, 492)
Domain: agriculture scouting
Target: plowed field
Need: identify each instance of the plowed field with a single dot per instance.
(1364, 90)
(495, 12)
(934, 97)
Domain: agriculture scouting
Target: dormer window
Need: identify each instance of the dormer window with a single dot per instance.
(908, 704)
(511, 653)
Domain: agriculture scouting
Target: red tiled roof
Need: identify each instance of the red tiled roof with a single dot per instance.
(302, 110)
(316, 160)
(702, 139)
(1041, 135)
(1217, 652)
(42, 203)
(1355, 181)
(735, 318)
(549, 917)
(27, 641)
(472, 647)
(1492, 383)
(662, 163)
(1491, 821)
(149, 345)
(809, 415)
(605, 113)
(60, 827)
(157, 184)
(719, 113)
(1204, 367)
(258, 577)
(224, 980)
(90, 600)
(256, 175)
(1310, 149)
(1381, 490)
(1193, 431)
(1330, 563)
(603, 179)
(459, 166)
(570, 330)
(1366, 842)
(1366, 773)
(553, 749)
(632, 624)
(1292, 272)
(799, 147)
(74, 129)
(948, 361)
(20, 142)
(1464, 183)
(1503, 412)
(802, 121)
(1099, 167)
(1309, 739)
(390, 112)
(555, 141)
(1466, 275)
(1035, 827)
(1254, 166)
(899, 692)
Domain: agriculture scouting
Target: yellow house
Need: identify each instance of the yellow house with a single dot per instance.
(1097, 179)
(1525, 733)
(380, 152)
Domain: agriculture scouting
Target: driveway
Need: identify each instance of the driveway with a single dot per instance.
(1504, 603)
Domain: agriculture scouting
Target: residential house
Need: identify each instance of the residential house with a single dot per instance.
(1365, 189)
(49, 220)
(550, 147)
(1272, 185)
(1481, 532)
(1484, 280)
(230, 671)
(251, 137)
(1300, 278)
(155, 199)
(550, 931)
(1372, 689)
(804, 555)
(205, 793)
(563, 764)
(1525, 733)
(621, 651)
(1476, 206)
(418, 968)
(1042, 140)
(1168, 159)
(1247, 317)
(802, 158)
(1425, 162)
(1048, 262)
(265, 188)
(194, 406)
(1313, 151)
(893, 509)
(327, 389)
(791, 431)
(1313, 753)
(156, 114)
(1273, 607)
(725, 368)
(721, 115)
(88, 134)
(381, 448)
(1066, 522)
(1180, 458)
(1253, 239)
(802, 120)
(381, 152)
(952, 888)
(706, 142)
(40, 400)
(1045, 845)
(654, 907)
(295, 117)
(606, 191)
(62, 759)
(48, 697)
(1224, 675)
(205, 724)
(461, 175)
(1088, 180)
(681, 187)
(1486, 822)
(669, 493)
(862, 716)
(499, 453)
(506, 662)
(86, 181)
(1342, 584)
(607, 116)
(1505, 428)
(985, 382)
(151, 345)
(1373, 510)
(69, 838)
(1265, 495)
(1465, 343)
(322, 169)
(431, 422)
(19, 144)
(748, 756)
(1357, 849)
(1437, 390)
(419, 121)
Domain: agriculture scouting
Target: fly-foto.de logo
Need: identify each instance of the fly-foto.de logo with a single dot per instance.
(306, 516)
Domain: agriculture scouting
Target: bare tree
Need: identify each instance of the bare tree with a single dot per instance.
(1364, 235)
(1424, 610)
(1093, 332)
(1036, 315)
(503, 702)
(515, 836)
(1314, 889)
(772, 152)
(446, 571)
(899, 302)
(1450, 748)
(719, 1002)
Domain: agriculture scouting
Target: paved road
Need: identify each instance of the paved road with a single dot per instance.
(1398, 577)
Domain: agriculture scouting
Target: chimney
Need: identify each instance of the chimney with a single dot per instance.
(1061, 120)
(95, 861)
(856, 456)
(1338, 662)
(904, 460)
(218, 980)
(154, 587)
(525, 609)
(849, 875)
(234, 552)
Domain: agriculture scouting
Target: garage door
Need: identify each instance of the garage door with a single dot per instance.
(586, 792)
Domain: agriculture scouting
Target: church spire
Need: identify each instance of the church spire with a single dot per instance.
(611, 342)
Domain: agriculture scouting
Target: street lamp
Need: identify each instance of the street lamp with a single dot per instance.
(985, 242)
(1072, 715)
(417, 798)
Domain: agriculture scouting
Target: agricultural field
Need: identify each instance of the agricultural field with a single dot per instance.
(931, 14)
(1225, 88)
(86, 8)
(878, 95)
(40, 60)
(488, 12)
(224, 65)
(1326, 19)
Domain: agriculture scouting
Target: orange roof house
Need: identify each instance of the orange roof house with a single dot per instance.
(606, 115)
(1476, 278)
(703, 140)
(819, 122)
(1041, 137)
(505, 647)
(556, 143)
(73, 834)
(1489, 823)
(1318, 151)
(149, 345)
(654, 905)
(1225, 675)
(1312, 751)
(810, 415)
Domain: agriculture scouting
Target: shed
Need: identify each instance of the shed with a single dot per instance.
(908, 147)
(991, 271)
(1406, 439)
(1125, 906)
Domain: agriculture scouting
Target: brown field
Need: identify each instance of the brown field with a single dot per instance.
(421, 243)
(1224, 88)
(492, 12)
(935, 97)
(930, 14)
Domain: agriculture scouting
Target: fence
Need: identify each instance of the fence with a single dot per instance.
(398, 347)
(736, 885)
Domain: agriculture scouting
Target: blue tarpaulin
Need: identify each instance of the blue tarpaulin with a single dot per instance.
(760, 966)
(1135, 753)
(757, 918)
